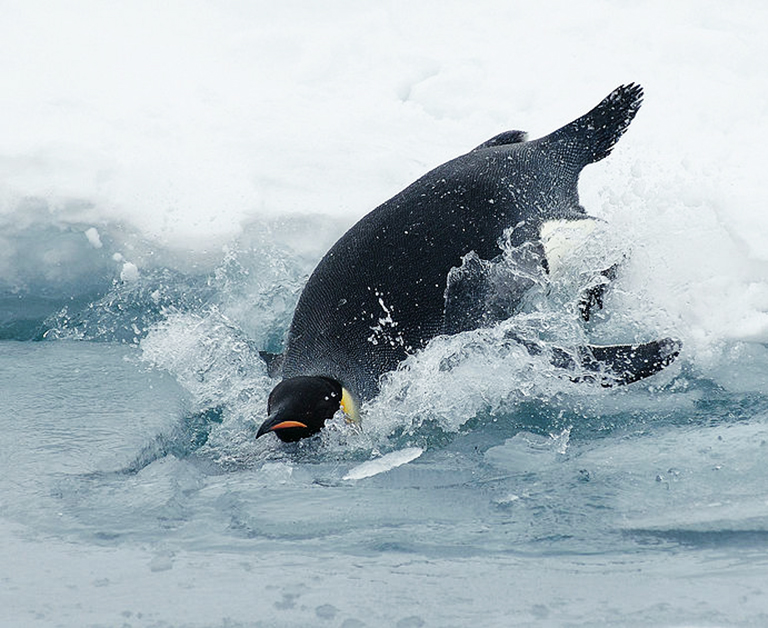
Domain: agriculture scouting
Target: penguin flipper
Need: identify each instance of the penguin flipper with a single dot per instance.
(274, 362)
(466, 294)
(592, 298)
(619, 364)
(480, 293)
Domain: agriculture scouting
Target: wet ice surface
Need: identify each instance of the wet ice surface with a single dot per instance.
(651, 519)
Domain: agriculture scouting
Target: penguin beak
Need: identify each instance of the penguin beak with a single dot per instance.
(278, 423)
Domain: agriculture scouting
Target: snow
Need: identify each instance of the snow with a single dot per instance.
(188, 118)
(129, 273)
(92, 234)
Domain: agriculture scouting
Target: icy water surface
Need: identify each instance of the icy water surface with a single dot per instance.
(134, 511)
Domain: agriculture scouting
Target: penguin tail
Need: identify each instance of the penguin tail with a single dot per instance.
(591, 137)
(274, 362)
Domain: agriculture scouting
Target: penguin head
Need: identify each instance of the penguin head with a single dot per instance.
(298, 407)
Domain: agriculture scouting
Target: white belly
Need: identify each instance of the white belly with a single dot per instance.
(566, 241)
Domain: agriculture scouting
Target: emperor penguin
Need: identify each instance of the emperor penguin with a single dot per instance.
(422, 264)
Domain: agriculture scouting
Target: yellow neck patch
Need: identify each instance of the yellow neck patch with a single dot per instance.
(349, 406)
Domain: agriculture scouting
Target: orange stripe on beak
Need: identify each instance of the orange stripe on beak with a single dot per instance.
(285, 424)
